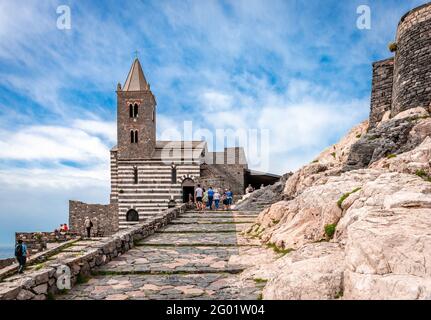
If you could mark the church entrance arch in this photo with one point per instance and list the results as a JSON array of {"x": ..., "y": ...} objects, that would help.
[
  {"x": 188, "y": 187},
  {"x": 132, "y": 215}
]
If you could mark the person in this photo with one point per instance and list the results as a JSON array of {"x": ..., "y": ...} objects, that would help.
[
  {"x": 198, "y": 197},
  {"x": 210, "y": 198},
  {"x": 249, "y": 189},
  {"x": 205, "y": 199},
  {"x": 21, "y": 254},
  {"x": 88, "y": 224},
  {"x": 225, "y": 200},
  {"x": 65, "y": 227},
  {"x": 229, "y": 196},
  {"x": 216, "y": 199}
]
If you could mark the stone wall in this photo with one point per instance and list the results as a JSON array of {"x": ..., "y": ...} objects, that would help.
[
  {"x": 41, "y": 284},
  {"x": 6, "y": 262},
  {"x": 37, "y": 241},
  {"x": 381, "y": 95},
  {"x": 223, "y": 176},
  {"x": 412, "y": 80},
  {"x": 104, "y": 218}
]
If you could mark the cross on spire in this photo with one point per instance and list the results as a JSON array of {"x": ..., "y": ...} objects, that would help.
[{"x": 136, "y": 53}]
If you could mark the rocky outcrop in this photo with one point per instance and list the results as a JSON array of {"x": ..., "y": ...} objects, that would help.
[
  {"x": 391, "y": 136},
  {"x": 380, "y": 244}
]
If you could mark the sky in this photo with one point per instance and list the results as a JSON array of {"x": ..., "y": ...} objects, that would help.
[{"x": 299, "y": 69}]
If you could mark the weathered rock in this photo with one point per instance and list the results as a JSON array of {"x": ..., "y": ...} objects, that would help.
[
  {"x": 41, "y": 289},
  {"x": 313, "y": 272},
  {"x": 25, "y": 295}
]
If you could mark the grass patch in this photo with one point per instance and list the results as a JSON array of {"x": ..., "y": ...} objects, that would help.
[
  {"x": 81, "y": 279},
  {"x": 391, "y": 156},
  {"x": 339, "y": 295},
  {"x": 334, "y": 155},
  {"x": 330, "y": 230},
  {"x": 260, "y": 297},
  {"x": 315, "y": 161},
  {"x": 63, "y": 291},
  {"x": 424, "y": 175},
  {"x": 39, "y": 266},
  {"x": 50, "y": 296},
  {"x": 279, "y": 250},
  {"x": 345, "y": 196},
  {"x": 260, "y": 280}
]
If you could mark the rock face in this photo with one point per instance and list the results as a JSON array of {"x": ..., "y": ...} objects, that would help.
[
  {"x": 394, "y": 136},
  {"x": 381, "y": 247}
]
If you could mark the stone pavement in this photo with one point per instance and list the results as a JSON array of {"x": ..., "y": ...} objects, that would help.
[{"x": 197, "y": 256}]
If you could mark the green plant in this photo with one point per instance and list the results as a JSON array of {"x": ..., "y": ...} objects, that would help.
[
  {"x": 315, "y": 161},
  {"x": 50, "y": 296},
  {"x": 392, "y": 46},
  {"x": 279, "y": 250},
  {"x": 334, "y": 154},
  {"x": 330, "y": 230},
  {"x": 260, "y": 280},
  {"x": 345, "y": 196},
  {"x": 80, "y": 279},
  {"x": 260, "y": 297},
  {"x": 339, "y": 295},
  {"x": 358, "y": 136},
  {"x": 39, "y": 266},
  {"x": 423, "y": 174},
  {"x": 391, "y": 156}
]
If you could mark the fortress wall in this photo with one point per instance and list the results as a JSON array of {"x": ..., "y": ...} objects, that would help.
[
  {"x": 104, "y": 217},
  {"x": 381, "y": 95},
  {"x": 412, "y": 69}
]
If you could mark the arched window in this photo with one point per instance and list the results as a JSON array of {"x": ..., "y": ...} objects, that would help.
[
  {"x": 135, "y": 110},
  {"x": 132, "y": 215},
  {"x": 134, "y": 136},
  {"x": 131, "y": 111},
  {"x": 135, "y": 175},
  {"x": 173, "y": 173}
]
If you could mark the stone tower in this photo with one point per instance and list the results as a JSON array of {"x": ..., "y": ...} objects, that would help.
[{"x": 136, "y": 116}]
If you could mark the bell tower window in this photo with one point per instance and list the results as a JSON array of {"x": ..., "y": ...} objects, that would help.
[
  {"x": 133, "y": 110},
  {"x": 134, "y": 136}
]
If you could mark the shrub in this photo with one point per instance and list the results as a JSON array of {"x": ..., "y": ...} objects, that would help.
[
  {"x": 330, "y": 230},
  {"x": 391, "y": 156},
  {"x": 334, "y": 154},
  {"x": 393, "y": 47},
  {"x": 424, "y": 175},
  {"x": 345, "y": 196}
]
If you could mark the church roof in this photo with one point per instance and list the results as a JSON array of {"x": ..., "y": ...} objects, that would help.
[{"x": 136, "y": 80}]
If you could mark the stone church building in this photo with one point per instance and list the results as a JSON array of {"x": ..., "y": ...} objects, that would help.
[{"x": 146, "y": 174}]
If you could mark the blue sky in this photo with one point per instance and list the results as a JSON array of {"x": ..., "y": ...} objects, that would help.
[{"x": 301, "y": 69}]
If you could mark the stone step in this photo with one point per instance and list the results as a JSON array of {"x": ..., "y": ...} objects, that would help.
[
  {"x": 197, "y": 239},
  {"x": 182, "y": 228}
]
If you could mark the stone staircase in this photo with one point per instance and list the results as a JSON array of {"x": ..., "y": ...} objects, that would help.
[{"x": 199, "y": 255}]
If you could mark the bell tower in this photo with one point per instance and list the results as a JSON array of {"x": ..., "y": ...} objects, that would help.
[{"x": 136, "y": 116}]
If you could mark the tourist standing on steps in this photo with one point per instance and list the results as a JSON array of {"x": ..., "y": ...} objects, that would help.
[
  {"x": 198, "y": 196},
  {"x": 210, "y": 198},
  {"x": 216, "y": 199},
  {"x": 21, "y": 254},
  {"x": 88, "y": 224},
  {"x": 225, "y": 200},
  {"x": 205, "y": 199},
  {"x": 229, "y": 196}
]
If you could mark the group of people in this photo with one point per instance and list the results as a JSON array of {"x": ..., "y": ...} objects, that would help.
[
  {"x": 63, "y": 228},
  {"x": 212, "y": 198}
]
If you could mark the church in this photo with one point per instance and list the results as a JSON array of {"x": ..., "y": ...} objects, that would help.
[{"x": 147, "y": 174}]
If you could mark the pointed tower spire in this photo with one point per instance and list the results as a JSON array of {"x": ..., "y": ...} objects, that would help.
[{"x": 136, "y": 80}]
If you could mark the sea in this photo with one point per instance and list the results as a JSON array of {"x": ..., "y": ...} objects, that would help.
[{"x": 6, "y": 252}]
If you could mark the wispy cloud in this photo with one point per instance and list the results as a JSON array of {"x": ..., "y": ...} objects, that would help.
[{"x": 300, "y": 69}]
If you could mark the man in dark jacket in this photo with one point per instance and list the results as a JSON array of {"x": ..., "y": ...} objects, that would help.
[{"x": 21, "y": 254}]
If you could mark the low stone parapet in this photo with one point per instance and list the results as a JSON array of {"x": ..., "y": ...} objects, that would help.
[
  {"x": 60, "y": 274},
  {"x": 38, "y": 241}
]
